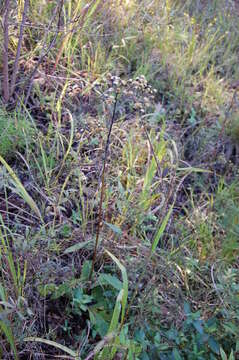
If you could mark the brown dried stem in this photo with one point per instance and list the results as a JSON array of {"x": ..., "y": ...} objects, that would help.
[
  {"x": 100, "y": 215},
  {"x": 5, "y": 52}
]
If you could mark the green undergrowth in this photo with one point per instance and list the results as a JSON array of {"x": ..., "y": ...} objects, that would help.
[
  {"x": 15, "y": 131},
  {"x": 118, "y": 184}
]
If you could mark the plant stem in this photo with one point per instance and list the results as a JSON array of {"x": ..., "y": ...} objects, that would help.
[
  {"x": 100, "y": 215},
  {"x": 5, "y": 52}
]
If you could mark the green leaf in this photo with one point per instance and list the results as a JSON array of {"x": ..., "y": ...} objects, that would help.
[
  {"x": 114, "y": 228},
  {"x": 98, "y": 322},
  {"x": 231, "y": 328},
  {"x": 2, "y": 293},
  {"x": 7, "y": 331},
  {"x": 116, "y": 313},
  {"x": 85, "y": 271},
  {"x": 237, "y": 346},
  {"x": 77, "y": 247},
  {"x": 214, "y": 346},
  {"x": 120, "y": 307},
  {"x": 125, "y": 284},
  {"x": 162, "y": 347},
  {"x": 61, "y": 290},
  {"x": 160, "y": 231},
  {"x": 47, "y": 289},
  {"x": 107, "y": 279},
  {"x": 187, "y": 308},
  {"x": 198, "y": 326},
  {"x": 139, "y": 335},
  {"x": 144, "y": 356},
  {"x": 176, "y": 355},
  {"x": 21, "y": 190},
  {"x": 223, "y": 354}
]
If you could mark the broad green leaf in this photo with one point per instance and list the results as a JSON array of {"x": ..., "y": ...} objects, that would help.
[
  {"x": 85, "y": 271},
  {"x": 107, "y": 279},
  {"x": 98, "y": 322},
  {"x": 198, "y": 326},
  {"x": 214, "y": 346}
]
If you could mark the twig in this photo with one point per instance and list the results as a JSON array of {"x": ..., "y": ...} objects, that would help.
[
  {"x": 5, "y": 52},
  {"x": 19, "y": 46},
  {"x": 102, "y": 189}
]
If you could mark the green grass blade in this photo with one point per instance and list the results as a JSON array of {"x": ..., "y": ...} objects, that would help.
[
  {"x": 125, "y": 284},
  {"x": 7, "y": 331},
  {"x": 120, "y": 306},
  {"x": 91, "y": 12},
  {"x": 161, "y": 229},
  {"x": 116, "y": 313},
  {"x": 21, "y": 190},
  {"x": 77, "y": 247}
]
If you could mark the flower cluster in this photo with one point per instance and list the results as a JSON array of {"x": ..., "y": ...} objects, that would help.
[{"x": 133, "y": 95}]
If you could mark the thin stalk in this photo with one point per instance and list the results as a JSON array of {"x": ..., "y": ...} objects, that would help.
[
  {"x": 100, "y": 215},
  {"x": 5, "y": 52}
]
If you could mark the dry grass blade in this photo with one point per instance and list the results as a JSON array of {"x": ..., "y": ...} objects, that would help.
[{"x": 73, "y": 354}]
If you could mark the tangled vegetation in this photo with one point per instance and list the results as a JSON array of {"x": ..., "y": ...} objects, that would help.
[{"x": 119, "y": 197}]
